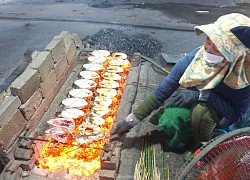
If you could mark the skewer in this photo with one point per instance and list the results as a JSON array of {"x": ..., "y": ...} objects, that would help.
[
  {"x": 168, "y": 169},
  {"x": 78, "y": 145}
]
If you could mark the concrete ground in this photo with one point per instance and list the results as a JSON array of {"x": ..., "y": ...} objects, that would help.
[{"x": 31, "y": 24}]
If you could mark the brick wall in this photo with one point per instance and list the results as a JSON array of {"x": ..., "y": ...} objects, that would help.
[{"x": 25, "y": 101}]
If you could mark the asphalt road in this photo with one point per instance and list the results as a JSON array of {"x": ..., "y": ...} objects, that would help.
[{"x": 31, "y": 24}]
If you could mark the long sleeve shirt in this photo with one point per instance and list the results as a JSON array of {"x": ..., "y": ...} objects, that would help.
[{"x": 227, "y": 102}]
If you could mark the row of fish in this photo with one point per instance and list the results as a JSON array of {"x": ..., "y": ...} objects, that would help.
[{"x": 94, "y": 90}]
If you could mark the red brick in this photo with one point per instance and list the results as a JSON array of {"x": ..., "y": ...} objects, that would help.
[
  {"x": 60, "y": 67},
  {"x": 77, "y": 40},
  {"x": 83, "y": 59},
  {"x": 71, "y": 67},
  {"x": 71, "y": 52},
  {"x": 117, "y": 152},
  {"x": 87, "y": 50},
  {"x": 24, "y": 143},
  {"x": 38, "y": 148},
  {"x": 12, "y": 166},
  {"x": 40, "y": 171},
  {"x": 57, "y": 48},
  {"x": 43, "y": 62},
  {"x": 66, "y": 37},
  {"x": 25, "y": 85},
  {"x": 110, "y": 165},
  {"x": 35, "y": 119},
  {"x": 114, "y": 137},
  {"x": 7, "y": 108},
  {"x": 4, "y": 159},
  {"x": 29, "y": 108},
  {"x": 23, "y": 154},
  {"x": 27, "y": 143},
  {"x": 48, "y": 84},
  {"x": 7, "y": 156},
  {"x": 11, "y": 130},
  {"x": 62, "y": 80},
  {"x": 28, "y": 165},
  {"x": 7, "y": 175},
  {"x": 107, "y": 174},
  {"x": 58, "y": 174},
  {"x": 112, "y": 161}
]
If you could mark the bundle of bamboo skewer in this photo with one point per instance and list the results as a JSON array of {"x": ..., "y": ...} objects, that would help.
[{"x": 145, "y": 168}]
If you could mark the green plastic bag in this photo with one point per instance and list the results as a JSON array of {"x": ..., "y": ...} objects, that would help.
[{"x": 175, "y": 123}]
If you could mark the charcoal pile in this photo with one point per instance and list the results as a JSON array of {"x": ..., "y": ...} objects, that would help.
[{"x": 116, "y": 41}]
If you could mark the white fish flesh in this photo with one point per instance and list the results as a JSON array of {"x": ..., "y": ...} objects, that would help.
[
  {"x": 119, "y": 55},
  {"x": 118, "y": 62},
  {"x": 114, "y": 69},
  {"x": 111, "y": 76},
  {"x": 100, "y": 53},
  {"x": 96, "y": 59},
  {"x": 72, "y": 113},
  {"x": 85, "y": 83},
  {"x": 82, "y": 139},
  {"x": 89, "y": 75},
  {"x": 93, "y": 67},
  {"x": 109, "y": 84},
  {"x": 74, "y": 103},
  {"x": 80, "y": 93},
  {"x": 106, "y": 92}
]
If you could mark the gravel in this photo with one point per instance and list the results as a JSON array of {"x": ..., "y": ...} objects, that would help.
[{"x": 116, "y": 41}]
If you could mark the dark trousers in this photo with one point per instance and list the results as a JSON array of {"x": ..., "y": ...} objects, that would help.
[{"x": 204, "y": 121}]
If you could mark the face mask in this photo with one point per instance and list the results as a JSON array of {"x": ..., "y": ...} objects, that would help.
[{"x": 211, "y": 58}]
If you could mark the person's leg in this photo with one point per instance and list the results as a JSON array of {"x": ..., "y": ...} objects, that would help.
[{"x": 204, "y": 121}]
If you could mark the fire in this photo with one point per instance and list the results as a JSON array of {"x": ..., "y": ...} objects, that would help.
[{"x": 83, "y": 159}]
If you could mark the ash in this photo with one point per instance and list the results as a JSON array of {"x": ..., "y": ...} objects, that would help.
[{"x": 116, "y": 41}]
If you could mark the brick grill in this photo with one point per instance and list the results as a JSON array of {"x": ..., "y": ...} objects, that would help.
[
  {"x": 21, "y": 156},
  {"x": 25, "y": 101}
]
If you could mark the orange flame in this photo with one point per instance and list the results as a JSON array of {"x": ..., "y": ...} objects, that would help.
[{"x": 79, "y": 160}]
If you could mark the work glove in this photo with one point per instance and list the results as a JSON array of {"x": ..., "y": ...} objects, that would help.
[
  {"x": 124, "y": 126},
  {"x": 185, "y": 97}
]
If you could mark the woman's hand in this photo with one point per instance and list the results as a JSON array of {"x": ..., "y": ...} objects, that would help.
[
  {"x": 185, "y": 97},
  {"x": 124, "y": 126}
]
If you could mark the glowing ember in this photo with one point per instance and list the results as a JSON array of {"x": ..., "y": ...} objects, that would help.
[{"x": 84, "y": 159}]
